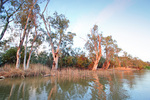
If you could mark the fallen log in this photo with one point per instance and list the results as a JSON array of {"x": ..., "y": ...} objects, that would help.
[
  {"x": 49, "y": 75},
  {"x": 2, "y": 77}
]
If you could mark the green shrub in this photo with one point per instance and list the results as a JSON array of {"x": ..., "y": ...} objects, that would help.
[
  {"x": 9, "y": 56},
  {"x": 147, "y": 67}
]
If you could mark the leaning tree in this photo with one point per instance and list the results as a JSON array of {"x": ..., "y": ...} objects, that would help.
[{"x": 93, "y": 45}]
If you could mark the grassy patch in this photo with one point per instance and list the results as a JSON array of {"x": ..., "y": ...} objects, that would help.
[{"x": 147, "y": 67}]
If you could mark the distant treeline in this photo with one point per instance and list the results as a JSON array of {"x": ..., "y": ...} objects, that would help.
[{"x": 75, "y": 58}]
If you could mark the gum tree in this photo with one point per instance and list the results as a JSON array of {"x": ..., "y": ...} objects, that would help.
[
  {"x": 7, "y": 13},
  {"x": 108, "y": 44},
  {"x": 56, "y": 31},
  {"x": 24, "y": 20},
  {"x": 93, "y": 45}
]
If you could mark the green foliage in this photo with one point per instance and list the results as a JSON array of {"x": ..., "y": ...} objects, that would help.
[
  {"x": 41, "y": 58},
  {"x": 59, "y": 24},
  {"x": 128, "y": 61},
  {"x": 82, "y": 61},
  {"x": 22, "y": 15},
  {"x": 108, "y": 44},
  {"x": 67, "y": 61},
  {"x": 93, "y": 40},
  {"x": 6, "y": 11},
  {"x": 101, "y": 62},
  {"x": 147, "y": 67},
  {"x": 10, "y": 56}
]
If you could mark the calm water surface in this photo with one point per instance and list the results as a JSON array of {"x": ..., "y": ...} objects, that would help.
[{"x": 114, "y": 86}]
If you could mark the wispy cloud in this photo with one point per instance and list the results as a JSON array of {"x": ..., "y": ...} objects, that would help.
[
  {"x": 110, "y": 10},
  {"x": 85, "y": 22}
]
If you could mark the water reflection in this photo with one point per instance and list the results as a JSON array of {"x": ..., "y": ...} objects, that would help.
[
  {"x": 114, "y": 86},
  {"x": 116, "y": 89}
]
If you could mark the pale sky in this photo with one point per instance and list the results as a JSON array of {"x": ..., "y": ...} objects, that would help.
[{"x": 128, "y": 21}]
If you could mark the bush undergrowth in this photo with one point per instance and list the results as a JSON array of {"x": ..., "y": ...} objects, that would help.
[{"x": 147, "y": 67}]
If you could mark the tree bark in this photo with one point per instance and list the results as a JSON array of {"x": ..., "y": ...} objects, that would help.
[
  {"x": 28, "y": 62},
  {"x": 25, "y": 52},
  {"x": 98, "y": 53},
  {"x": 31, "y": 51},
  {"x": 55, "y": 61},
  {"x": 8, "y": 17},
  {"x": 55, "y": 54},
  {"x": 22, "y": 40},
  {"x": 4, "y": 30},
  {"x": 96, "y": 63},
  {"x": 106, "y": 64},
  {"x": 19, "y": 50},
  {"x": 18, "y": 58}
]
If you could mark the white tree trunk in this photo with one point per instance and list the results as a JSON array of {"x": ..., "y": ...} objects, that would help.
[
  {"x": 28, "y": 62},
  {"x": 22, "y": 40},
  {"x": 25, "y": 53},
  {"x": 55, "y": 61},
  {"x": 18, "y": 58}
]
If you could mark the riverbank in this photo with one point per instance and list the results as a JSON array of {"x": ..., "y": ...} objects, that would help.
[
  {"x": 124, "y": 69},
  {"x": 9, "y": 71},
  {"x": 36, "y": 70}
]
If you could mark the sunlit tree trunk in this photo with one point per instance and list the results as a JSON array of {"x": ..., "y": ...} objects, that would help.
[
  {"x": 98, "y": 53},
  {"x": 106, "y": 64},
  {"x": 119, "y": 63},
  {"x": 96, "y": 63}
]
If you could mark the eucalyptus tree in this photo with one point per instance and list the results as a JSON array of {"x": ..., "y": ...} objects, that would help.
[
  {"x": 93, "y": 45},
  {"x": 116, "y": 60},
  {"x": 108, "y": 44},
  {"x": 24, "y": 18},
  {"x": 36, "y": 40},
  {"x": 56, "y": 27},
  {"x": 66, "y": 49},
  {"x": 8, "y": 9},
  {"x": 127, "y": 60}
]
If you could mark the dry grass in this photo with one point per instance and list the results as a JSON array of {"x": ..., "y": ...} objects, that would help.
[
  {"x": 124, "y": 69},
  {"x": 34, "y": 70},
  {"x": 65, "y": 73}
]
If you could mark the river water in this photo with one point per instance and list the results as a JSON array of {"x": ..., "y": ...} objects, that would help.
[{"x": 116, "y": 86}]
